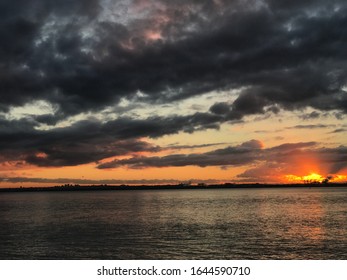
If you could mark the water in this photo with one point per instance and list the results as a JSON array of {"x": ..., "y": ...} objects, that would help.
[{"x": 288, "y": 223}]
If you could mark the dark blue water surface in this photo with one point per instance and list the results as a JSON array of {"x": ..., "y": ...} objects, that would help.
[{"x": 281, "y": 223}]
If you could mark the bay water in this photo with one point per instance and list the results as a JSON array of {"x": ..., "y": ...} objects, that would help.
[{"x": 255, "y": 223}]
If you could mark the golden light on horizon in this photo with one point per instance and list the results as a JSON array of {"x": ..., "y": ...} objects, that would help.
[
  {"x": 316, "y": 178},
  {"x": 339, "y": 178},
  {"x": 313, "y": 177}
]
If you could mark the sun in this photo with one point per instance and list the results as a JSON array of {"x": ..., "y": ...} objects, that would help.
[{"x": 312, "y": 178}]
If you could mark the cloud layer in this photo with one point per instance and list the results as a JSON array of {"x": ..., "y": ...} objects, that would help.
[
  {"x": 287, "y": 159},
  {"x": 83, "y": 57},
  {"x": 72, "y": 56}
]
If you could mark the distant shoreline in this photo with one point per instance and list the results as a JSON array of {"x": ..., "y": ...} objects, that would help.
[{"x": 67, "y": 188}]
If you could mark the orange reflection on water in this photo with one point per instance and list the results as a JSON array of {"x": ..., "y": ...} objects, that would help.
[
  {"x": 299, "y": 217},
  {"x": 309, "y": 216}
]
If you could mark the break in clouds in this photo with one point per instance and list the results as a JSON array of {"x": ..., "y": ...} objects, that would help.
[{"x": 80, "y": 58}]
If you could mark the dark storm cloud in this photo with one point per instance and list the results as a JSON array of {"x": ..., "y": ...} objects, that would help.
[
  {"x": 239, "y": 155},
  {"x": 84, "y": 142},
  {"x": 335, "y": 157},
  {"x": 90, "y": 141},
  {"x": 286, "y": 54},
  {"x": 221, "y": 108},
  {"x": 280, "y": 55},
  {"x": 312, "y": 115}
]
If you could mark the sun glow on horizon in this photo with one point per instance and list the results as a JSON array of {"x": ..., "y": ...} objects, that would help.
[
  {"x": 316, "y": 178},
  {"x": 313, "y": 177}
]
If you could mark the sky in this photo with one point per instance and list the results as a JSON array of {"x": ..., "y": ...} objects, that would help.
[{"x": 168, "y": 91}]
